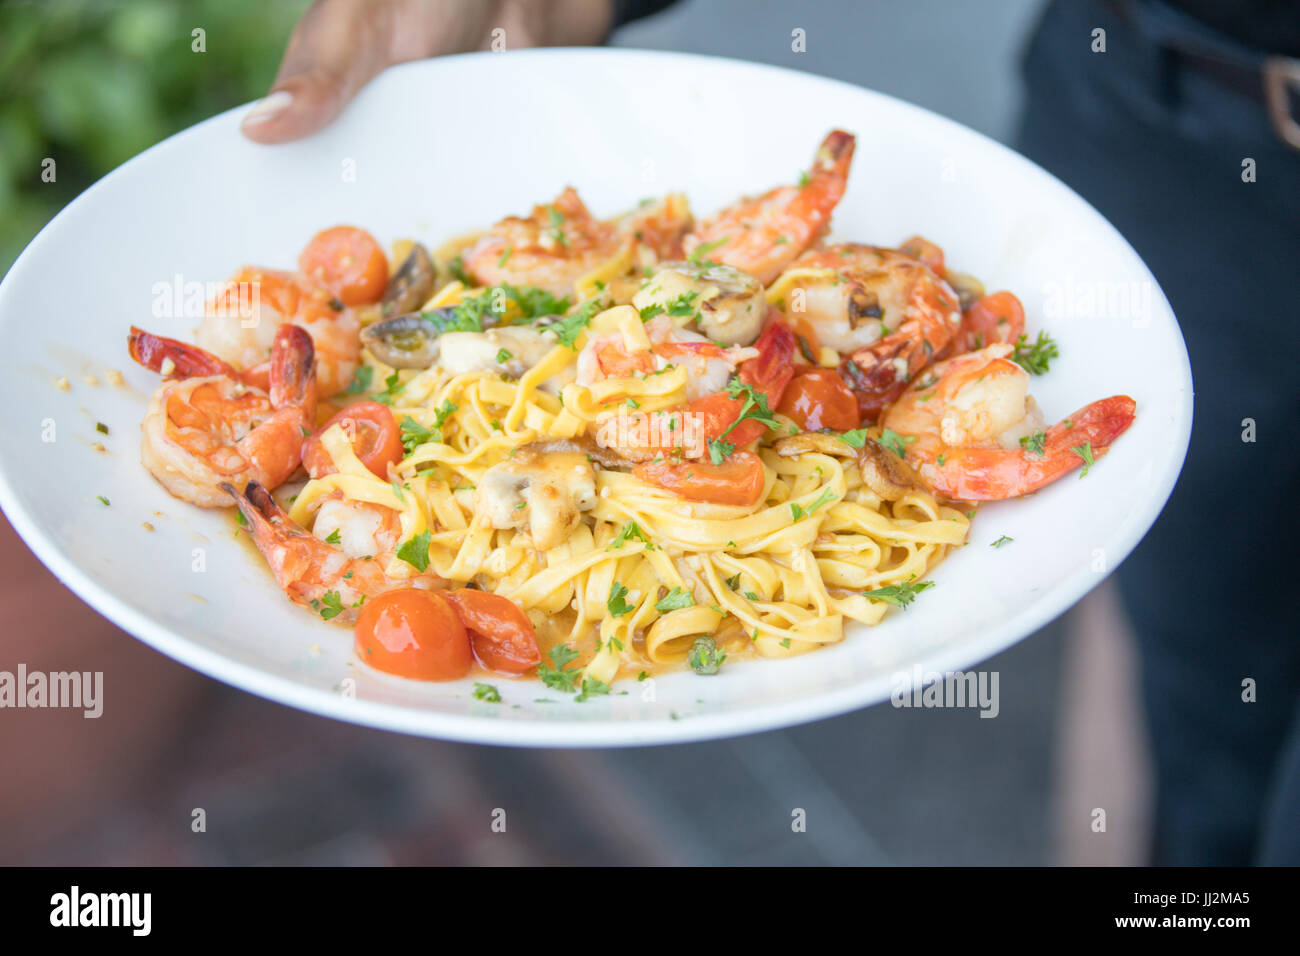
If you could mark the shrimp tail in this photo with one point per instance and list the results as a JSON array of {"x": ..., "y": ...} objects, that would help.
[
  {"x": 293, "y": 369},
  {"x": 290, "y": 551},
  {"x": 994, "y": 474},
  {"x": 187, "y": 361}
]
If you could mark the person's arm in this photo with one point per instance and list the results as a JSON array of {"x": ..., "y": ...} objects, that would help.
[{"x": 341, "y": 45}]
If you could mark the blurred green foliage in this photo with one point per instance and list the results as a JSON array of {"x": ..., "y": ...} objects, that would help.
[{"x": 90, "y": 83}]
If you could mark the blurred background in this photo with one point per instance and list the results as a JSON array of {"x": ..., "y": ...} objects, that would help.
[{"x": 91, "y": 83}]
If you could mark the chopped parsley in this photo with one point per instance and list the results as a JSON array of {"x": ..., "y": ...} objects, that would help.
[
  {"x": 675, "y": 600},
  {"x": 570, "y": 327},
  {"x": 680, "y": 306},
  {"x": 1002, "y": 542},
  {"x": 705, "y": 657},
  {"x": 591, "y": 687},
  {"x": 704, "y": 248},
  {"x": 1084, "y": 451},
  {"x": 804, "y": 178},
  {"x": 1037, "y": 357},
  {"x": 1033, "y": 444},
  {"x": 503, "y": 356},
  {"x": 627, "y": 533},
  {"x": 104, "y": 501},
  {"x": 101, "y": 428},
  {"x": 360, "y": 381},
  {"x": 415, "y": 551},
  {"x": 487, "y": 692},
  {"x": 333, "y": 537},
  {"x": 617, "y": 606},
  {"x": 457, "y": 269},
  {"x": 895, "y": 442},
  {"x": 415, "y": 434},
  {"x": 854, "y": 439},
  {"x": 554, "y": 675},
  {"x": 557, "y": 225},
  {"x": 899, "y": 595},
  {"x": 329, "y": 606}
]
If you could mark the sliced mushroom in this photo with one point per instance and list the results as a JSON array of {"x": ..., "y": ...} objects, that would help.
[
  {"x": 584, "y": 444},
  {"x": 823, "y": 443},
  {"x": 728, "y": 304},
  {"x": 885, "y": 473},
  {"x": 412, "y": 284},
  {"x": 539, "y": 492},
  {"x": 407, "y": 341}
]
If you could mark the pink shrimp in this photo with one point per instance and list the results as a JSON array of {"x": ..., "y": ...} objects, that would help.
[
  {"x": 206, "y": 426},
  {"x": 310, "y": 571},
  {"x": 764, "y": 234},
  {"x": 974, "y": 434}
]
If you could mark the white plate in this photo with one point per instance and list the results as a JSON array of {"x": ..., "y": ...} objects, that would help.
[{"x": 438, "y": 148}]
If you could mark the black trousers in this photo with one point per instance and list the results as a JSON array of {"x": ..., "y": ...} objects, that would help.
[{"x": 1161, "y": 151}]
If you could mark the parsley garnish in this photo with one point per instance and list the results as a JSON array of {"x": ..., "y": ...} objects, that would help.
[
  {"x": 333, "y": 537},
  {"x": 570, "y": 327},
  {"x": 554, "y": 675},
  {"x": 704, "y": 248},
  {"x": 1084, "y": 451},
  {"x": 487, "y": 692},
  {"x": 503, "y": 356},
  {"x": 1033, "y": 444},
  {"x": 415, "y": 434},
  {"x": 1002, "y": 542},
  {"x": 617, "y": 606},
  {"x": 591, "y": 687},
  {"x": 895, "y": 442},
  {"x": 627, "y": 533},
  {"x": 360, "y": 381},
  {"x": 675, "y": 600},
  {"x": 899, "y": 595},
  {"x": 705, "y": 657},
  {"x": 415, "y": 551},
  {"x": 329, "y": 606},
  {"x": 854, "y": 439},
  {"x": 1035, "y": 358}
]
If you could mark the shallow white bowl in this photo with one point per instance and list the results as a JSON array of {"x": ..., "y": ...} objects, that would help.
[{"x": 418, "y": 155}]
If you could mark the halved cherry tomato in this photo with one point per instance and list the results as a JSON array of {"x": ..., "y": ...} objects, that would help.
[
  {"x": 376, "y": 438},
  {"x": 738, "y": 480},
  {"x": 930, "y": 255},
  {"x": 501, "y": 634},
  {"x": 771, "y": 370},
  {"x": 818, "y": 398},
  {"x": 347, "y": 261},
  {"x": 992, "y": 319},
  {"x": 413, "y": 633}
]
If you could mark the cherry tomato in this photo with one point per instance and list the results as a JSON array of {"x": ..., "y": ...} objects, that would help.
[
  {"x": 738, "y": 480},
  {"x": 930, "y": 255},
  {"x": 501, "y": 634},
  {"x": 818, "y": 398},
  {"x": 992, "y": 319},
  {"x": 376, "y": 439},
  {"x": 770, "y": 372},
  {"x": 413, "y": 633},
  {"x": 348, "y": 262}
]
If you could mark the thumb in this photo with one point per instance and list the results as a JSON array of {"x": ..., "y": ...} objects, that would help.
[{"x": 337, "y": 47}]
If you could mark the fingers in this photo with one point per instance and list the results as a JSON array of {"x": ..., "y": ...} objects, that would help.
[{"x": 337, "y": 47}]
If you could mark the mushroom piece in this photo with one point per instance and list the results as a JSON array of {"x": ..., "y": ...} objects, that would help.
[
  {"x": 537, "y": 492},
  {"x": 823, "y": 443},
  {"x": 412, "y": 284},
  {"x": 407, "y": 341},
  {"x": 728, "y": 305},
  {"x": 885, "y": 473}
]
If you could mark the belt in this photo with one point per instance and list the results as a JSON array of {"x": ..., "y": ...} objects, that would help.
[{"x": 1264, "y": 78}]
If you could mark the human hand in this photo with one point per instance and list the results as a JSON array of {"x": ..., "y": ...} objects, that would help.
[{"x": 341, "y": 45}]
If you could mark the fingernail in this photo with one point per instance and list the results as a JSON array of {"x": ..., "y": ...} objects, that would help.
[{"x": 270, "y": 106}]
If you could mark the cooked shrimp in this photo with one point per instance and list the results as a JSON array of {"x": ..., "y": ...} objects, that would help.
[
  {"x": 764, "y": 234},
  {"x": 240, "y": 323},
  {"x": 709, "y": 366},
  {"x": 203, "y": 431},
  {"x": 879, "y": 303},
  {"x": 974, "y": 434},
  {"x": 551, "y": 249},
  {"x": 311, "y": 571},
  {"x": 657, "y": 227}
]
